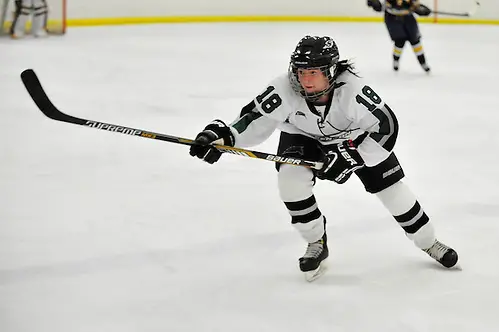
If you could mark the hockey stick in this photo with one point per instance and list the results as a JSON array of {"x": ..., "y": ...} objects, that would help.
[
  {"x": 468, "y": 14},
  {"x": 37, "y": 93}
]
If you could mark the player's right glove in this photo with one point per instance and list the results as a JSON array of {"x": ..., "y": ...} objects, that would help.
[
  {"x": 217, "y": 132},
  {"x": 422, "y": 10},
  {"x": 375, "y": 4},
  {"x": 340, "y": 161}
]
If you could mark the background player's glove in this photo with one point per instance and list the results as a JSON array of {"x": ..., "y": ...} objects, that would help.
[
  {"x": 422, "y": 10},
  {"x": 340, "y": 161},
  {"x": 216, "y": 132},
  {"x": 375, "y": 4}
]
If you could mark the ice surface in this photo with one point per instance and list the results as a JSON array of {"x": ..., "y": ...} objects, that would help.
[{"x": 104, "y": 232}]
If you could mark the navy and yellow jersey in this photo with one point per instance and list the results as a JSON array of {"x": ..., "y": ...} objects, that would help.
[{"x": 401, "y": 7}]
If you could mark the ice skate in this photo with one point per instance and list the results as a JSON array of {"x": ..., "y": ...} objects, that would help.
[
  {"x": 425, "y": 67},
  {"x": 312, "y": 263},
  {"x": 396, "y": 65},
  {"x": 42, "y": 33},
  {"x": 442, "y": 254},
  {"x": 18, "y": 35}
]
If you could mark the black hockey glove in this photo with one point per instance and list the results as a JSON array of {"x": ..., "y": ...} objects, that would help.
[
  {"x": 340, "y": 161},
  {"x": 375, "y": 4},
  {"x": 216, "y": 132},
  {"x": 422, "y": 10}
]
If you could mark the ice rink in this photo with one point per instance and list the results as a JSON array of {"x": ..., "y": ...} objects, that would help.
[{"x": 102, "y": 232}]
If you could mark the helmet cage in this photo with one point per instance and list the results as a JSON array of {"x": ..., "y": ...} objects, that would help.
[{"x": 327, "y": 70}]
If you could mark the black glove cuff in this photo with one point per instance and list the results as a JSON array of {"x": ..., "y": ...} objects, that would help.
[{"x": 219, "y": 129}]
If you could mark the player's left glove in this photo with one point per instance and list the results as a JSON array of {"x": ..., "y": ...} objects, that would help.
[
  {"x": 340, "y": 161},
  {"x": 422, "y": 10}
]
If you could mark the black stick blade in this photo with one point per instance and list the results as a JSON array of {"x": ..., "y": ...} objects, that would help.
[{"x": 42, "y": 101}]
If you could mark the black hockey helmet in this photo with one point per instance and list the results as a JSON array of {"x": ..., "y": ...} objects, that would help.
[{"x": 314, "y": 52}]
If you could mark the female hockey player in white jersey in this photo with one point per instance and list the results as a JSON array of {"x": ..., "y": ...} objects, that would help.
[{"x": 326, "y": 113}]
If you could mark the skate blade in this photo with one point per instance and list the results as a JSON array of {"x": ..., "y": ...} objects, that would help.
[{"x": 317, "y": 273}]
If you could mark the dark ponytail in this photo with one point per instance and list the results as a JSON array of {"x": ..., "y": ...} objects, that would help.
[{"x": 343, "y": 66}]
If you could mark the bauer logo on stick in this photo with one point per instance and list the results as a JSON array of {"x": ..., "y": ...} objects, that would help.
[{"x": 284, "y": 160}]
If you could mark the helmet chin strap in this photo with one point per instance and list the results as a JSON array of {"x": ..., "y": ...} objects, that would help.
[{"x": 313, "y": 97}]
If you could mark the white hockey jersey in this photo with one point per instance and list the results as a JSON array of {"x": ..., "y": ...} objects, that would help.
[{"x": 354, "y": 109}]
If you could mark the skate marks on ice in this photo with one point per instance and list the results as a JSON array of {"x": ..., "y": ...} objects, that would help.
[
  {"x": 336, "y": 277},
  {"x": 221, "y": 257},
  {"x": 254, "y": 277},
  {"x": 434, "y": 265},
  {"x": 317, "y": 273}
]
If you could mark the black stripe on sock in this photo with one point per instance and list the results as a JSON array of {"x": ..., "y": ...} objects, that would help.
[
  {"x": 417, "y": 225},
  {"x": 301, "y": 205},
  {"x": 413, "y": 212},
  {"x": 315, "y": 214}
]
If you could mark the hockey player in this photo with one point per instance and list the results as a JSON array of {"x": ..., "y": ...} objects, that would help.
[
  {"x": 24, "y": 8},
  {"x": 402, "y": 26},
  {"x": 325, "y": 112}
]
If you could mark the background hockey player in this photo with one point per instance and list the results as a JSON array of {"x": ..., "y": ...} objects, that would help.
[
  {"x": 326, "y": 113},
  {"x": 402, "y": 26},
  {"x": 37, "y": 9}
]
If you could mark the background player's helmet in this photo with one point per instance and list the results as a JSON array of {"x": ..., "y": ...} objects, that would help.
[{"x": 314, "y": 52}]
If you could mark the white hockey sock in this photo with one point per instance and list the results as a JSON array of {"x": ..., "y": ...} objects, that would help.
[
  {"x": 295, "y": 188},
  {"x": 409, "y": 214}
]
